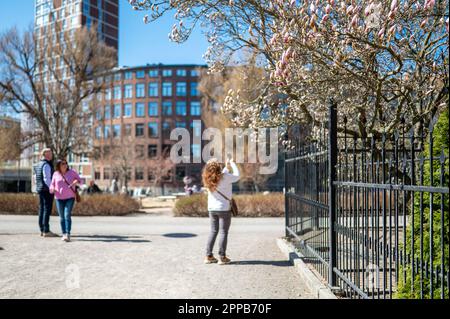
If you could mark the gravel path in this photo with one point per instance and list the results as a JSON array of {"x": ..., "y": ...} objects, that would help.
[{"x": 143, "y": 256}]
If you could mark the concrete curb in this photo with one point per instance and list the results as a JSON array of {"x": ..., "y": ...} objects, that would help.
[{"x": 319, "y": 290}]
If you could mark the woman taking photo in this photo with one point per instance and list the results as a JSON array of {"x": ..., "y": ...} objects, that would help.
[
  {"x": 219, "y": 183},
  {"x": 63, "y": 186}
]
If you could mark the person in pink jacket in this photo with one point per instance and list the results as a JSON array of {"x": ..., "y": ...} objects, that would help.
[{"x": 63, "y": 186}]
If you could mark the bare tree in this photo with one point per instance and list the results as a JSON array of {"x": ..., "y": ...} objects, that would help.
[
  {"x": 51, "y": 81},
  {"x": 10, "y": 137}
]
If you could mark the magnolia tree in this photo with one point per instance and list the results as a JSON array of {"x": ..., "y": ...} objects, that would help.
[{"x": 382, "y": 61}]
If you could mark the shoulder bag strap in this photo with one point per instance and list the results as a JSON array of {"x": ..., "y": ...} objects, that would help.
[
  {"x": 223, "y": 195},
  {"x": 65, "y": 180}
]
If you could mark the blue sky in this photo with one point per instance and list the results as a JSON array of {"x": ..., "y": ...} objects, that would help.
[{"x": 138, "y": 43}]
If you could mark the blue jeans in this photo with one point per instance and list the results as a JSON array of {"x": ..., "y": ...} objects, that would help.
[
  {"x": 65, "y": 213},
  {"x": 45, "y": 210}
]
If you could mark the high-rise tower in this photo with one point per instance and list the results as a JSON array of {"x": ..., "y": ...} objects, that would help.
[
  {"x": 63, "y": 18},
  {"x": 70, "y": 15}
]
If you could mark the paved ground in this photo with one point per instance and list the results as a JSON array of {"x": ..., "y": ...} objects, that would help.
[{"x": 145, "y": 256}]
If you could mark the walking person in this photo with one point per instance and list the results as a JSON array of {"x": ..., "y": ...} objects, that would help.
[
  {"x": 64, "y": 185},
  {"x": 219, "y": 183},
  {"x": 43, "y": 173}
]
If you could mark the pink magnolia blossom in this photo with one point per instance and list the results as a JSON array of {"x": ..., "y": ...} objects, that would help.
[{"x": 394, "y": 5}]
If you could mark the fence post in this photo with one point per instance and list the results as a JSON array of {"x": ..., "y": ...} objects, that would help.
[
  {"x": 332, "y": 161},
  {"x": 286, "y": 206}
]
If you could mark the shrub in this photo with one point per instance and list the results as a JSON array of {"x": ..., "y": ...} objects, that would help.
[
  {"x": 406, "y": 283},
  {"x": 19, "y": 204},
  {"x": 97, "y": 205},
  {"x": 257, "y": 205}
]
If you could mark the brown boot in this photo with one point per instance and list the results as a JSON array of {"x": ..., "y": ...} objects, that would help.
[
  {"x": 224, "y": 260},
  {"x": 210, "y": 260}
]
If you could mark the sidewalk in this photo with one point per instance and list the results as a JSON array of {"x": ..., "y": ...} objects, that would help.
[{"x": 143, "y": 257}]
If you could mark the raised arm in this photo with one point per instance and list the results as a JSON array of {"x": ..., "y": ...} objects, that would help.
[{"x": 234, "y": 176}]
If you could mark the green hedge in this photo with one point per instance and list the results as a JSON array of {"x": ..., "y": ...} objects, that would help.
[
  {"x": 257, "y": 205},
  {"x": 410, "y": 287},
  {"x": 96, "y": 205}
]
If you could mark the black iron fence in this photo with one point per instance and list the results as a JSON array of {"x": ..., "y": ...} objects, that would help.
[{"x": 371, "y": 215}]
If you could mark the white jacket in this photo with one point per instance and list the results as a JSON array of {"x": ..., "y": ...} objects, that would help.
[{"x": 216, "y": 202}]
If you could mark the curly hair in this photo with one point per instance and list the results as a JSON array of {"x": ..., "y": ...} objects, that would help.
[{"x": 212, "y": 174}]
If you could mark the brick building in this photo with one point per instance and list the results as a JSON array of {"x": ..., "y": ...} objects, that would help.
[{"x": 136, "y": 115}]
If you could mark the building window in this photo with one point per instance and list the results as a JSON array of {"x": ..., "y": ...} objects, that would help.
[
  {"x": 167, "y": 108},
  {"x": 180, "y": 124},
  {"x": 167, "y": 89},
  {"x": 107, "y": 112},
  {"x": 167, "y": 73},
  {"x": 116, "y": 130},
  {"x": 140, "y": 90},
  {"x": 98, "y": 133},
  {"x": 153, "y": 109},
  {"x": 151, "y": 177},
  {"x": 196, "y": 150},
  {"x": 107, "y": 131},
  {"x": 140, "y": 109},
  {"x": 117, "y": 111},
  {"x": 108, "y": 94},
  {"x": 139, "y": 151},
  {"x": 117, "y": 93},
  {"x": 97, "y": 174},
  {"x": 196, "y": 109},
  {"x": 139, "y": 174},
  {"x": 128, "y": 91},
  {"x": 140, "y": 74},
  {"x": 166, "y": 129},
  {"x": 139, "y": 130},
  {"x": 117, "y": 76},
  {"x": 153, "y": 89},
  {"x": 181, "y": 72},
  {"x": 153, "y": 73},
  {"x": 152, "y": 129},
  {"x": 167, "y": 177},
  {"x": 181, "y": 108},
  {"x": 181, "y": 88},
  {"x": 128, "y": 75},
  {"x": 152, "y": 151},
  {"x": 194, "y": 89},
  {"x": 127, "y": 130},
  {"x": 196, "y": 129},
  {"x": 180, "y": 172},
  {"x": 194, "y": 73},
  {"x": 98, "y": 115},
  {"x": 106, "y": 173},
  {"x": 127, "y": 110}
]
